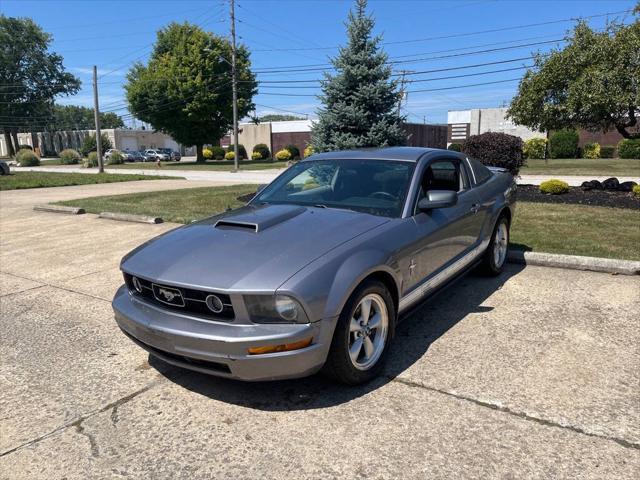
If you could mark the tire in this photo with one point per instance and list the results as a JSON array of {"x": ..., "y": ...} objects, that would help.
[
  {"x": 495, "y": 257},
  {"x": 368, "y": 361}
]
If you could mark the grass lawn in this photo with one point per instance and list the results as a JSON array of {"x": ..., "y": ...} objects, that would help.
[
  {"x": 22, "y": 180},
  {"x": 215, "y": 165},
  {"x": 180, "y": 206},
  {"x": 577, "y": 230},
  {"x": 583, "y": 166},
  {"x": 542, "y": 227}
]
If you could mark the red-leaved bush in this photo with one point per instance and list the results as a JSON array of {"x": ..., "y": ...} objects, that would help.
[{"x": 496, "y": 150}]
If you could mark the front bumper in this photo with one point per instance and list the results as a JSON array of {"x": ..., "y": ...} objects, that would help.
[{"x": 220, "y": 348}]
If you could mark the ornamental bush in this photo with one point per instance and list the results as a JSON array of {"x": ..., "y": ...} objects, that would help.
[
  {"x": 256, "y": 156},
  {"x": 24, "y": 145},
  {"x": 263, "y": 150},
  {"x": 207, "y": 153},
  {"x": 218, "y": 152},
  {"x": 115, "y": 158},
  {"x": 554, "y": 187},
  {"x": 89, "y": 144},
  {"x": 242, "y": 152},
  {"x": 293, "y": 150},
  {"x": 91, "y": 160},
  {"x": 534, "y": 148},
  {"x": 283, "y": 155},
  {"x": 564, "y": 144},
  {"x": 26, "y": 158},
  {"x": 629, "y": 148},
  {"x": 455, "y": 147},
  {"x": 230, "y": 155},
  {"x": 308, "y": 151},
  {"x": 636, "y": 190},
  {"x": 591, "y": 150},
  {"x": 496, "y": 150},
  {"x": 607, "y": 151},
  {"x": 69, "y": 157}
]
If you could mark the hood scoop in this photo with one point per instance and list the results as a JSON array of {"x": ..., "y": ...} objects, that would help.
[{"x": 259, "y": 218}]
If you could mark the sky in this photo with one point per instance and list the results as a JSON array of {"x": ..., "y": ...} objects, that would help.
[{"x": 477, "y": 41}]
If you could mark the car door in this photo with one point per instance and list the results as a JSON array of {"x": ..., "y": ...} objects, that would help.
[{"x": 445, "y": 234}]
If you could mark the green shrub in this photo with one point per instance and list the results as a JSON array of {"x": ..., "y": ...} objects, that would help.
[
  {"x": 591, "y": 150},
  {"x": 534, "y": 148},
  {"x": 91, "y": 160},
  {"x": 230, "y": 155},
  {"x": 263, "y": 150},
  {"x": 308, "y": 151},
  {"x": 607, "y": 151},
  {"x": 636, "y": 190},
  {"x": 293, "y": 150},
  {"x": 26, "y": 158},
  {"x": 115, "y": 158},
  {"x": 283, "y": 155},
  {"x": 564, "y": 144},
  {"x": 256, "y": 156},
  {"x": 207, "y": 153},
  {"x": 218, "y": 152},
  {"x": 25, "y": 146},
  {"x": 629, "y": 148},
  {"x": 455, "y": 147},
  {"x": 496, "y": 150},
  {"x": 242, "y": 152},
  {"x": 89, "y": 144},
  {"x": 554, "y": 187},
  {"x": 69, "y": 157}
]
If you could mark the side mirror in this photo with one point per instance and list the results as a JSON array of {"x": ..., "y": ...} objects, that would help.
[{"x": 438, "y": 199}]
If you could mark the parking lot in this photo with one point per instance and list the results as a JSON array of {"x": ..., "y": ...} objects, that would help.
[{"x": 535, "y": 374}]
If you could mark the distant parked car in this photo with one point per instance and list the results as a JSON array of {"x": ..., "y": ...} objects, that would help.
[
  {"x": 153, "y": 155},
  {"x": 4, "y": 168},
  {"x": 134, "y": 156},
  {"x": 173, "y": 155},
  {"x": 108, "y": 153}
]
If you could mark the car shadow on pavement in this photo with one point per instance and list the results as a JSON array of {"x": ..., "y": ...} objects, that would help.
[{"x": 414, "y": 335}]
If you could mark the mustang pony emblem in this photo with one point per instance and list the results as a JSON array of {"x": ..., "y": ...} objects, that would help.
[{"x": 168, "y": 295}]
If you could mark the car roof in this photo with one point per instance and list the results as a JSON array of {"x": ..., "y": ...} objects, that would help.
[{"x": 407, "y": 154}]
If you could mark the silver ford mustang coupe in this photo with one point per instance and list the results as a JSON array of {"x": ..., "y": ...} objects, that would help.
[{"x": 316, "y": 270}]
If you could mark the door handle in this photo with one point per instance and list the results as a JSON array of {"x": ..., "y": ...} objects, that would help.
[{"x": 475, "y": 207}]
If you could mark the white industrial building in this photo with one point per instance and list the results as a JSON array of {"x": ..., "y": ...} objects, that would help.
[{"x": 461, "y": 124}]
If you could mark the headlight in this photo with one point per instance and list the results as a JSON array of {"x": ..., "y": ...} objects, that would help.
[{"x": 274, "y": 309}]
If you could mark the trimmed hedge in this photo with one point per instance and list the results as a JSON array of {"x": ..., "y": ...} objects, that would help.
[
  {"x": 230, "y": 155},
  {"x": 218, "y": 152},
  {"x": 554, "y": 187},
  {"x": 26, "y": 158},
  {"x": 242, "y": 152},
  {"x": 69, "y": 157},
  {"x": 629, "y": 148},
  {"x": 283, "y": 155},
  {"x": 455, "y": 147},
  {"x": 534, "y": 148},
  {"x": 591, "y": 150},
  {"x": 308, "y": 151},
  {"x": 91, "y": 160},
  {"x": 636, "y": 190},
  {"x": 607, "y": 151},
  {"x": 564, "y": 144},
  {"x": 262, "y": 150},
  {"x": 496, "y": 150},
  {"x": 256, "y": 156},
  {"x": 293, "y": 150},
  {"x": 207, "y": 153}
]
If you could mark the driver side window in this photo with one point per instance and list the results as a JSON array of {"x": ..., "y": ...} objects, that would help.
[{"x": 445, "y": 174}]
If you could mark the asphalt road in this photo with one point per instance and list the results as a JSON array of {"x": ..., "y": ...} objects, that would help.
[{"x": 535, "y": 374}]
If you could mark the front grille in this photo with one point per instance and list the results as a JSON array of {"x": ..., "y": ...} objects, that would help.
[{"x": 194, "y": 300}]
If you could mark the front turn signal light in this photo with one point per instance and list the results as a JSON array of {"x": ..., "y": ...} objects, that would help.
[{"x": 285, "y": 347}]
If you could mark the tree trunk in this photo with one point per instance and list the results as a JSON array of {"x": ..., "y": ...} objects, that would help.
[
  {"x": 7, "y": 140},
  {"x": 199, "y": 154}
]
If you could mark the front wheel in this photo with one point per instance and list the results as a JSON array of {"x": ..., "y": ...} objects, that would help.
[
  {"x": 362, "y": 335},
  {"x": 496, "y": 254}
]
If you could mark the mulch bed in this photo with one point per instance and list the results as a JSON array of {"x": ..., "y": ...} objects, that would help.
[{"x": 575, "y": 195}]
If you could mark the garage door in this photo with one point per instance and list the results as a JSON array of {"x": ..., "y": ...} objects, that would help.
[{"x": 129, "y": 143}]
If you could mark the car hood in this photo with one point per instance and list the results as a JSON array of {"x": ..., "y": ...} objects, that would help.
[{"x": 255, "y": 248}]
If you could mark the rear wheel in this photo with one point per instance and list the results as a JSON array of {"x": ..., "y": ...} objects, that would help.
[
  {"x": 495, "y": 256},
  {"x": 361, "y": 339}
]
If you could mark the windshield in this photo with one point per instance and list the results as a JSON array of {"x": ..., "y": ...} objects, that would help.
[{"x": 378, "y": 187}]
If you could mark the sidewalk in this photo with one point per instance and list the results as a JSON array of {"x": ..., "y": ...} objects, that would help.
[{"x": 266, "y": 176}]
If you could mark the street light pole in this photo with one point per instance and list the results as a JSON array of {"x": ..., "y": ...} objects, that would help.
[
  {"x": 234, "y": 87},
  {"x": 96, "y": 111}
]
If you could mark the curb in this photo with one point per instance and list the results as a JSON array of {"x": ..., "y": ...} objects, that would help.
[
  {"x": 575, "y": 262},
  {"x": 59, "y": 209},
  {"x": 124, "y": 217}
]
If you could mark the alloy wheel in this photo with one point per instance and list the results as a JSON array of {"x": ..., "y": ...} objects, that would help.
[{"x": 368, "y": 330}]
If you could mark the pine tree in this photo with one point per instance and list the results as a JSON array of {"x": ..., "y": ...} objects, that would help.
[{"x": 360, "y": 100}]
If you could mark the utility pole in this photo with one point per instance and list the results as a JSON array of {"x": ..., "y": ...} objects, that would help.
[
  {"x": 234, "y": 87},
  {"x": 403, "y": 93},
  {"x": 96, "y": 111}
]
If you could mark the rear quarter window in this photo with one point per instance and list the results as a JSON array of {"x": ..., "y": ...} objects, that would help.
[{"x": 481, "y": 172}]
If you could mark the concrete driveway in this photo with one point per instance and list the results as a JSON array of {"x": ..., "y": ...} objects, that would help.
[{"x": 535, "y": 374}]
